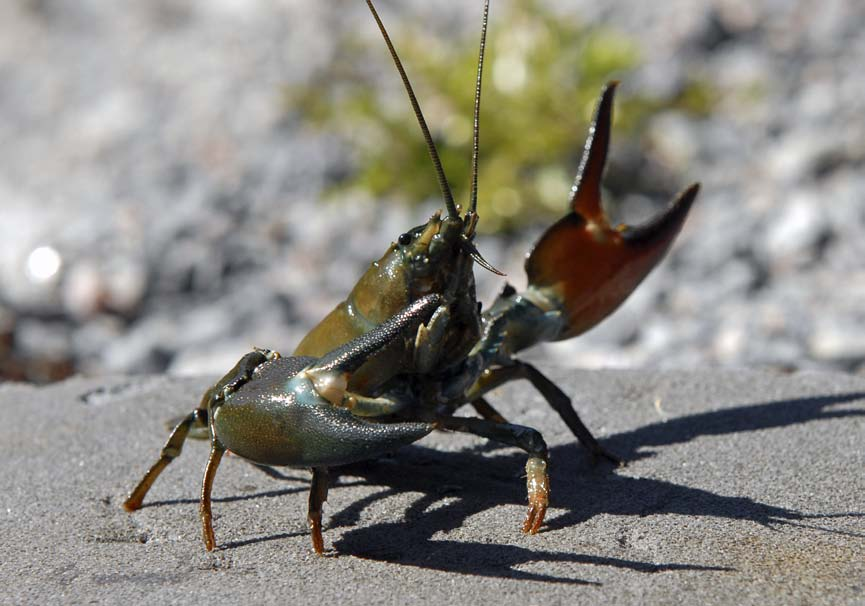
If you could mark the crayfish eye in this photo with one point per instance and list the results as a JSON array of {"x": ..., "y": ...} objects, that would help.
[{"x": 404, "y": 239}]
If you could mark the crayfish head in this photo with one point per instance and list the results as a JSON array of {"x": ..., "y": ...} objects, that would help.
[{"x": 428, "y": 253}]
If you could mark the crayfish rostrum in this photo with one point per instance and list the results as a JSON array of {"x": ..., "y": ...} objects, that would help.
[{"x": 410, "y": 344}]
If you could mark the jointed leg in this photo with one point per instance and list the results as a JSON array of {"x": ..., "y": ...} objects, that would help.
[
  {"x": 486, "y": 411},
  {"x": 317, "y": 497},
  {"x": 170, "y": 451},
  {"x": 554, "y": 396},
  {"x": 562, "y": 404},
  {"x": 526, "y": 438},
  {"x": 197, "y": 420},
  {"x": 216, "y": 452},
  {"x": 538, "y": 488}
]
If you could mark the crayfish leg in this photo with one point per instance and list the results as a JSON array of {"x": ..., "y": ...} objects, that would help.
[
  {"x": 317, "y": 497},
  {"x": 562, "y": 404},
  {"x": 554, "y": 396},
  {"x": 486, "y": 410},
  {"x": 525, "y": 438},
  {"x": 171, "y": 450},
  {"x": 538, "y": 488},
  {"x": 216, "y": 452}
]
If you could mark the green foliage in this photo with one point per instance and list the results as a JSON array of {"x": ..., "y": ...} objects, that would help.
[{"x": 542, "y": 78}]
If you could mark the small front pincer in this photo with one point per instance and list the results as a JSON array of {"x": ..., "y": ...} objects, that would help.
[{"x": 295, "y": 411}]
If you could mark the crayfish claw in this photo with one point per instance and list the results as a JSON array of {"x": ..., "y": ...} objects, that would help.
[
  {"x": 665, "y": 225},
  {"x": 586, "y": 191},
  {"x": 584, "y": 267}
]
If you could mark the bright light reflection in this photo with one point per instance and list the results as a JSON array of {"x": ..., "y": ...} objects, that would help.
[{"x": 43, "y": 263}]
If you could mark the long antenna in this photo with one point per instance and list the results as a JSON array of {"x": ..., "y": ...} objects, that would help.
[
  {"x": 431, "y": 148},
  {"x": 473, "y": 198}
]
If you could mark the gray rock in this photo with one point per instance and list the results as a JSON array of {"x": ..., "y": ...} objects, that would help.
[
  {"x": 742, "y": 488},
  {"x": 151, "y": 148}
]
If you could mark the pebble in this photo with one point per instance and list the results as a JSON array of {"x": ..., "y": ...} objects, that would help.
[{"x": 148, "y": 148}]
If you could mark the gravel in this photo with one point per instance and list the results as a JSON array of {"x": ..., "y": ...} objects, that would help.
[
  {"x": 162, "y": 210},
  {"x": 741, "y": 488}
]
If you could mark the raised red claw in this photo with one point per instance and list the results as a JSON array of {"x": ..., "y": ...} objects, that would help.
[{"x": 586, "y": 265}]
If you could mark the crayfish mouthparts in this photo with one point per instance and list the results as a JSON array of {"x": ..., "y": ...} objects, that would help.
[
  {"x": 433, "y": 227},
  {"x": 472, "y": 251}
]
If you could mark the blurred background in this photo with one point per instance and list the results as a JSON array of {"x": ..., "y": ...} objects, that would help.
[{"x": 183, "y": 179}]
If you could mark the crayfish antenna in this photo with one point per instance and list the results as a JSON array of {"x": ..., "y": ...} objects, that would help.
[
  {"x": 431, "y": 148},
  {"x": 473, "y": 197}
]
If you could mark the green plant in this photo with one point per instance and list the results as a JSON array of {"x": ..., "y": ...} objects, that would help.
[{"x": 541, "y": 81}]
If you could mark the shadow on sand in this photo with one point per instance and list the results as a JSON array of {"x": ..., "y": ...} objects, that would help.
[{"x": 454, "y": 486}]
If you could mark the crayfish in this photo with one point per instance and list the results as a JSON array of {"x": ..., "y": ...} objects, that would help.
[{"x": 410, "y": 344}]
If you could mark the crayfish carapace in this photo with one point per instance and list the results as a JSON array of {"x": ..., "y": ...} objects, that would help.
[{"x": 410, "y": 344}]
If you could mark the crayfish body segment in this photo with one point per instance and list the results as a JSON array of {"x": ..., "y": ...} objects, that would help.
[{"x": 431, "y": 258}]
